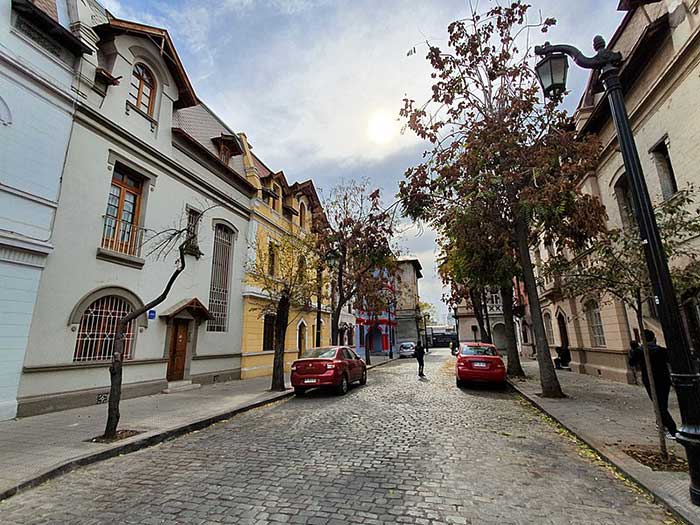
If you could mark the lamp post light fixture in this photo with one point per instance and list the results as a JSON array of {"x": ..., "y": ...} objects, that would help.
[
  {"x": 552, "y": 71},
  {"x": 684, "y": 374}
]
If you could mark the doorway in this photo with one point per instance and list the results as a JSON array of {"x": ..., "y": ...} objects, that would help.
[
  {"x": 301, "y": 338},
  {"x": 563, "y": 332},
  {"x": 178, "y": 350}
]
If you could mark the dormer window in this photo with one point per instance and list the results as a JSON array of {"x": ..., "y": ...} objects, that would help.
[{"x": 142, "y": 89}]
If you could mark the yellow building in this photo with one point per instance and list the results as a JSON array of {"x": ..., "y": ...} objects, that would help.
[{"x": 279, "y": 209}]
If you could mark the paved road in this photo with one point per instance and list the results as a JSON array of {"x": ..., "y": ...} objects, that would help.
[{"x": 396, "y": 451}]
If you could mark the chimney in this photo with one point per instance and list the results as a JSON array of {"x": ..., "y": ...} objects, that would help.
[
  {"x": 251, "y": 171},
  {"x": 48, "y": 7}
]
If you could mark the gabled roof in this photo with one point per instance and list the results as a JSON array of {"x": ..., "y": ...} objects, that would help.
[
  {"x": 307, "y": 188},
  {"x": 162, "y": 39},
  {"x": 192, "y": 306}
]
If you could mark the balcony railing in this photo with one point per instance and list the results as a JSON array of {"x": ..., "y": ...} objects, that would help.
[{"x": 121, "y": 236}]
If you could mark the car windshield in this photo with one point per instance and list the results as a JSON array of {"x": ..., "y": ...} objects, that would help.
[
  {"x": 478, "y": 350},
  {"x": 406, "y": 345},
  {"x": 319, "y": 353}
]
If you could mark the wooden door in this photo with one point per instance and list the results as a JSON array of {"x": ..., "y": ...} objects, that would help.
[{"x": 178, "y": 351}]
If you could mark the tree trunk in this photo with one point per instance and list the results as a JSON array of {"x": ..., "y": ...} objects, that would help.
[
  {"x": 115, "y": 369},
  {"x": 335, "y": 324},
  {"x": 514, "y": 367},
  {"x": 652, "y": 384},
  {"x": 475, "y": 298},
  {"x": 487, "y": 319},
  {"x": 319, "y": 297},
  {"x": 281, "y": 320},
  {"x": 548, "y": 376}
]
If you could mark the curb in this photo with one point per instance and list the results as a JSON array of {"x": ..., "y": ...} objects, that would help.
[
  {"x": 370, "y": 367},
  {"x": 607, "y": 457},
  {"x": 139, "y": 444}
]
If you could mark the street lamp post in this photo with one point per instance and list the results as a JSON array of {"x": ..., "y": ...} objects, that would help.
[{"x": 686, "y": 380}]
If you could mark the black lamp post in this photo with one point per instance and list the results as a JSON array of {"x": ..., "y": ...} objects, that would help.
[
  {"x": 332, "y": 263},
  {"x": 686, "y": 379}
]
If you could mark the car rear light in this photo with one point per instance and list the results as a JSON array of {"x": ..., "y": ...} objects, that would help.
[
  {"x": 331, "y": 366},
  {"x": 294, "y": 367}
]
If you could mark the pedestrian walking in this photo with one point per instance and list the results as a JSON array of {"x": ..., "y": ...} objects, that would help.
[
  {"x": 419, "y": 353},
  {"x": 658, "y": 357}
]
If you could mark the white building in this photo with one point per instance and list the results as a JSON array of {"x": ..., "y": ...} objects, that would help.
[
  {"x": 39, "y": 60},
  {"x": 145, "y": 155}
]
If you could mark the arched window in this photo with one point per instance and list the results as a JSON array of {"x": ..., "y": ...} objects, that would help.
[
  {"x": 595, "y": 323},
  {"x": 549, "y": 331},
  {"x": 301, "y": 337},
  {"x": 97, "y": 328},
  {"x": 220, "y": 287},
  {"x": 302, "y": 215},
  {"x": 143, "y": 89}
]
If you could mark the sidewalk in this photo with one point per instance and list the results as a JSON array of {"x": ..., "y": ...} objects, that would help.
[
  {"x": 37, "y": 448},
  {"x": 609, "y": 417}
]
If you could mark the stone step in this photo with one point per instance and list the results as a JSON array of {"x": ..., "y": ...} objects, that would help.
[{"x": 180, "y": 386}]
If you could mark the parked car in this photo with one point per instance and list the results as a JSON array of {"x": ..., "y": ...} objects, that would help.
[
  {"x": 407, "y": 349},
  {"x": 479, "y": 362},
  {"x": 328, "y": 367}
]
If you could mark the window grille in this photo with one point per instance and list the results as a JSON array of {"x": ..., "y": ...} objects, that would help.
[
  {"x": 97, "y": 329},
  {"x": 549, "y": 330},
  {"x": 220, "y": 279},
  {"x": 595, "y": 324}
]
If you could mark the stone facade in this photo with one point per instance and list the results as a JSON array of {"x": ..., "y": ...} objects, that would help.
[
  {"x": 409, "y": 323},
  {"x": 660, "y": 43}
]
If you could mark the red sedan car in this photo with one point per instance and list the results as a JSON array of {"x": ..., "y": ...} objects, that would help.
[
  {"x": 329, "y": 367},
  {"x": 479, "y": 362}
]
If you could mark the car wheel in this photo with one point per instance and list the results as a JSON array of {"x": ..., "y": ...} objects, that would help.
[
  {"x": 459, "y": 383},
  {"x": 299, "y": 391},
  {"x": 363, "y": 379},
  {"x": 344, "y": 386}
]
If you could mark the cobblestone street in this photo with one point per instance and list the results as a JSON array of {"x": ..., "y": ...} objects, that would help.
[{"x": 396, "y": 451}]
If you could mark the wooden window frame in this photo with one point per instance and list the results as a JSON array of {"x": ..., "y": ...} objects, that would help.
[
  {"x": 140, "y": 88},
  {"x": 126, "y": 247},
  {"x": 594, "y": 320},
  {"x": 269, "y": 332}
]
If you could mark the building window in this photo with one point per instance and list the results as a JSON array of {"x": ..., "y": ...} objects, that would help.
[
  {"x": 220, "y": 278},
  {"x": 271, "y": 259},
  {"x": 595, "y": 323},
  {"x": 549, "y": 331},
  {"x": 193, "y": 219},
  {"x": 120, "y": 231},
  {"x": 302, "y": 216},
  {"x": 525, "y": 334},
  {"x": 624, "y": 202},
  {"x": 97, "y": 328},
  {"x": 361, "y": 333},
  {"x": 269, "y": 332},
  {"x": 277, "y": 200},
  {"x": 301, "y": 338},
  {"x": 662, "y": 159},
  {"x": 142, "y": 89}
]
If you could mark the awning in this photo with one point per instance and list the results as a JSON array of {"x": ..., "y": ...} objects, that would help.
[{"x": 193, "y": 307}]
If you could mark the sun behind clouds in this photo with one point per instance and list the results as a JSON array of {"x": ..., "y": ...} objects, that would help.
[{"x": 382, "y": 128}]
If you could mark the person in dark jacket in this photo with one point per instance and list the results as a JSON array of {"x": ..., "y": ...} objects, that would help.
[
  {"x": 419, "y": 353},
  {"x": 658, "y": 356}
]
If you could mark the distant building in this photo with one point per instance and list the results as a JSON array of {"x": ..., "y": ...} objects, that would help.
[{"x": 410, "y": 325}]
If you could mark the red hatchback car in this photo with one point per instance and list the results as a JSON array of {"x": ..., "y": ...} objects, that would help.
[
  {"x": 328, "y": 367},
  {"x": 479, "y": 362}
]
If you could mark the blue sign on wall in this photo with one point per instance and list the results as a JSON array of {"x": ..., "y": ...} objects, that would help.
[{"x": 151, "y": 314}]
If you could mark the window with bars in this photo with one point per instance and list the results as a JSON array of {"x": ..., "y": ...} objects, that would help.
[
  {"x": 97, "y": 329},
  {"x": 193, "y": 220},
  {"x": 220, "y": 278},
  {"x": 271, "y": 259},
  {"x": 121, "y": 231},
  {"x": 269, "y": 332},
  {"x": 302, "y": 216},
  {"x": 142, "y": 89},
  {"x": 595, "y": 323}
]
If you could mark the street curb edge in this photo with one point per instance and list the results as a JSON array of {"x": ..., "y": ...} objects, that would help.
[
  {"x": 606, "y": 456},
  {"x": 134, "y": 446}
]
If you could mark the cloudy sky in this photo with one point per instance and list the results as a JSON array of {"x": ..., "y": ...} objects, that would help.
[{"x": 317, "y": 84}]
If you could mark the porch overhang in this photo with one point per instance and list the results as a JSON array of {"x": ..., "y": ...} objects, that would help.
[{"x": 188, "y": 308}]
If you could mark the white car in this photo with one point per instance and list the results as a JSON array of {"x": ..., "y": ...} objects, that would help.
[{"x": 407, "y": 349}]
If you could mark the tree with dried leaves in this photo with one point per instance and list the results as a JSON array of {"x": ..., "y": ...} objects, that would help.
[
  {"x": 498, "y": 153},
  {"x": 355, "y": 233},
  {"x": 613, "y": 267},
  {"x": 284, "y": 268}
]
